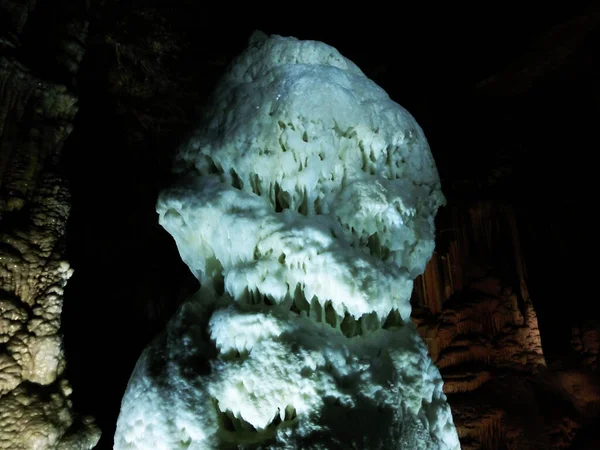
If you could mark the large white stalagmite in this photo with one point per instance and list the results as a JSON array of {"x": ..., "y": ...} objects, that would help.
[{"x": 306, "y": 208}]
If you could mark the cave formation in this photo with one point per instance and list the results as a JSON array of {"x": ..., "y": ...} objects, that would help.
[
  {"x": 95, "y": 97},
  {"x": 304, "y": 203}
]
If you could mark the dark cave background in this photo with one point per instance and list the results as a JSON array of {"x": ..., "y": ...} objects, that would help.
[{"x": 508, "y": 98}]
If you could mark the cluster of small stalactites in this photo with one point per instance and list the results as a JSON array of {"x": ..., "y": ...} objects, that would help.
[
  {"x": 293, "y": 121},
  {"x": 237, "y": 242}
]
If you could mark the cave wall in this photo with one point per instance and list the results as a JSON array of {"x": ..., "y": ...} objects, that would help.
[
  {"x": 473, "y": 309},
  {"x": 504, "y": 302},
  {"x": 36, "y": 118}
]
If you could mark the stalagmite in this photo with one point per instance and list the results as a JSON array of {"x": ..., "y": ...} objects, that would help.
[{"x": 305, "y": 207}]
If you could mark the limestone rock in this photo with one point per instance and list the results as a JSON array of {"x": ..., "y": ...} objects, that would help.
[
  {"x": 482, "y": 331},
  {"x": 36, "y": 116}
]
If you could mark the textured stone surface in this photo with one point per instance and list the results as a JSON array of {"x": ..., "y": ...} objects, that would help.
[
  {"x": 305, "y": 208},
  {"x": 36, "y": 117},
  {"x": 482, "y": 330}
]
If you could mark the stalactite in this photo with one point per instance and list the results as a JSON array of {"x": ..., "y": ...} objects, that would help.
[
  {"x": 520, "y": 266},
  {"x": 472, "y": 238},
  {"x": 492, "y": 435},
  {"x": 431, "y": 287}
]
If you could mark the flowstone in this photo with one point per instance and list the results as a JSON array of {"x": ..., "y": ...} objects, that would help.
[{"x": 305, "y": 207}]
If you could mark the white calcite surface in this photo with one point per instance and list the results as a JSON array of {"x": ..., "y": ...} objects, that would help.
[{"x": 305, "y": 207}]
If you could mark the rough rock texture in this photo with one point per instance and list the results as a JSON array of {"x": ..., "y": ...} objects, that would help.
[
  {"x": 36, "y": 117},
  {"x": 482, "y": 331},
  {"x": 305, "y": 208}
]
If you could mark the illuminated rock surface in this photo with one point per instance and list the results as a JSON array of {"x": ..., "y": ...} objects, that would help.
[
  {"x": 36, "y": 117},
  {"x": 305, "y": 208},
  {"x": 473, "y": 309}
]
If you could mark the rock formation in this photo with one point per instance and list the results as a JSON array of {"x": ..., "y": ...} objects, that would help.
[
  {"x": 305, "y": 208},
  {"x": 36, "y": 117},
  {"x": 474, "y": 311}
]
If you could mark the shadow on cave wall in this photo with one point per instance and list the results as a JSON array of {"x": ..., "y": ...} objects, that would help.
[
  {"x": 145, "y": 75},
  {"x": 128, "y": 277}
]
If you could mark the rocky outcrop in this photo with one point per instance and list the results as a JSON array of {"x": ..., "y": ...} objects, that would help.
[
  {"x": 36, "y": 116},
  {"x": 473, "y": 309}
]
